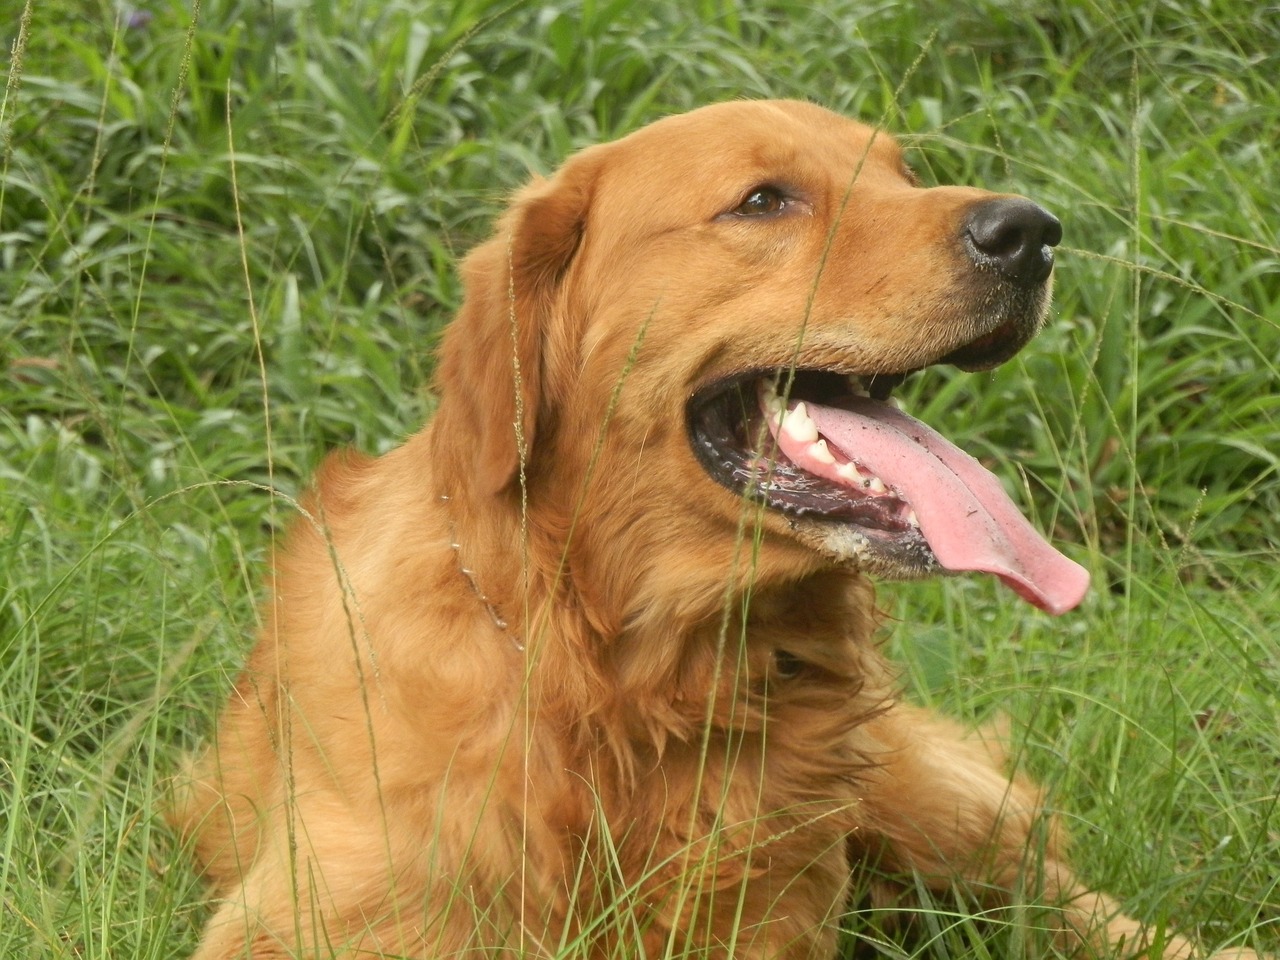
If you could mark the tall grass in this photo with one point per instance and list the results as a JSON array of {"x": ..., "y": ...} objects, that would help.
[{"x": 225, "y": 221}]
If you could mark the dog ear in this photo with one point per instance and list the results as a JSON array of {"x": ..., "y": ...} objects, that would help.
[{"x": 493, "y": 356}]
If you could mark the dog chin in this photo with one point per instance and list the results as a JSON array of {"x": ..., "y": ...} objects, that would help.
[{"x": 904, "y": 557}]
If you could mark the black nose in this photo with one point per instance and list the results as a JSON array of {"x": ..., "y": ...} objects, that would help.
[{"x": 1014, "y": 236}]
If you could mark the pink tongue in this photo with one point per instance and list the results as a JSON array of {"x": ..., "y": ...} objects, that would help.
[{"x": 968, "y": 520}]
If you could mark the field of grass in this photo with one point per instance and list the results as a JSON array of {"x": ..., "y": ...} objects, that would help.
[{"x": 227, "y": 240}]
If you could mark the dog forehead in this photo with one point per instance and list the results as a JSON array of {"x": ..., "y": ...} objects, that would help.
[
  {"x": 735, "y": 145},
  {"x": 758, "y": 121}
]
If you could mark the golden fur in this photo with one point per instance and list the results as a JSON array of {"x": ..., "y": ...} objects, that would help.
[{"x": 629, "y": 707}]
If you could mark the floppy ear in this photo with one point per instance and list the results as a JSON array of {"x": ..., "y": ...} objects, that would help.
[{"x": 492, "y": 358}]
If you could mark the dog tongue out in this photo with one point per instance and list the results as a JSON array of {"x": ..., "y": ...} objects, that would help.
[{"x": 968, "y": 520}]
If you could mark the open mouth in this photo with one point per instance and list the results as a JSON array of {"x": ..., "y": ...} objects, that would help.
[{"x": 870, "y": 484}]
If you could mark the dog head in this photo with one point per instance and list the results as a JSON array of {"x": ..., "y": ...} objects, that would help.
[{"x": 687, "y": 338}]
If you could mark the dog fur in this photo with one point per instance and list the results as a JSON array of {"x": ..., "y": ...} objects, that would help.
[{"x": 534, "y": 684}]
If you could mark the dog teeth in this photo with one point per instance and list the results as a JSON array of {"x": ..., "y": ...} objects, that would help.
[
  {"x": 912, "y": 519},
  {"x": 800, "y": 428},
  {"x": 854, "y": 476},
  {"x": 848, "y": 473},
  {"x": 774, "y": 407},
  {"x": 798, "y": 425},
  {"x": 858, "y": 387}
]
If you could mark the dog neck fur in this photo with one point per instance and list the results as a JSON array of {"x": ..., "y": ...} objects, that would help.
[{"x": 652, "y": 664}]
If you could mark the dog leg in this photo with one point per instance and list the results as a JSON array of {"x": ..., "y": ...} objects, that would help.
[
  {"x": 345, "y": 889},
  {"x": 241, "y": 929},
  {"x": 941, "y": 807}
]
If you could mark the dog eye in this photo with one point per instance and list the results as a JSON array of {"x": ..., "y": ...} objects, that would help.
[{"x": 761, "y": 202}]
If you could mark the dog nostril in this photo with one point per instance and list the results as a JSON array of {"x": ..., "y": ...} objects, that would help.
[{"x": 1015, "y": 236}]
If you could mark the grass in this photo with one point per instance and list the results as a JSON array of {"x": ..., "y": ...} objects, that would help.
[{"x": 227, "y": 238}]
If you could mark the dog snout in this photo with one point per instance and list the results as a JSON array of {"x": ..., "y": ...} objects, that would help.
[{"x": 1013, "y": 236}]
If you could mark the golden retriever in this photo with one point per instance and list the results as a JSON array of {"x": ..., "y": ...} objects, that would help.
[{"x": 586, "y": 667}]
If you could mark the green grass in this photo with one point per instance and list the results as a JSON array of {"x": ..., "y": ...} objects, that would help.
[{"x": 187, "y": 204}]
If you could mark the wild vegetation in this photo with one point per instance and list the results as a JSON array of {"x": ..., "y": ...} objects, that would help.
[{"x": 228, "y": 233}]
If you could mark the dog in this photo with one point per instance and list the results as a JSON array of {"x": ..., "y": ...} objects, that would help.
[{"x": 586, "y": 667}]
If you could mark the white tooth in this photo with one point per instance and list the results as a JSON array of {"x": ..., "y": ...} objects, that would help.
[
  {"x": 912, "y": 518},
  {"x": 820, "y": 452},
  {"x": 848, "y": 473},
  {"x": 798, "y": 426},
  {"x": 874, "y": 484},
  {"x": 857, "y": 386}
]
